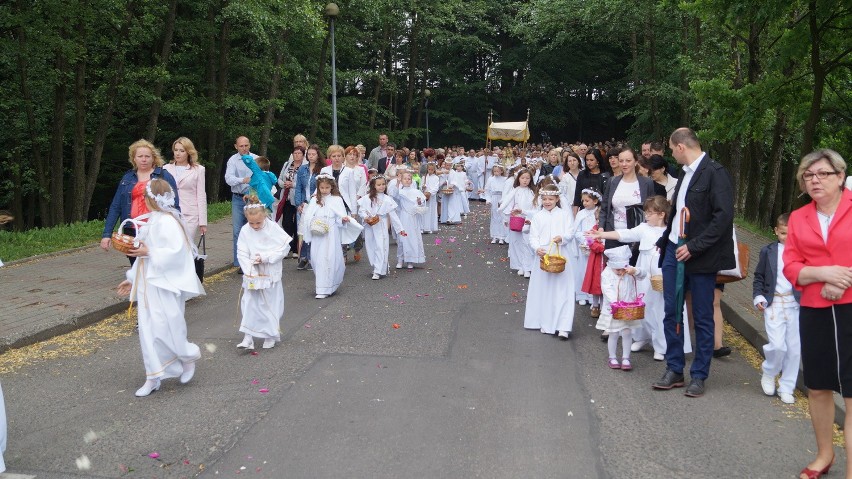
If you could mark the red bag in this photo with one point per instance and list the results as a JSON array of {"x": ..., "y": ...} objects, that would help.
[{"x": 516, "y": 223}]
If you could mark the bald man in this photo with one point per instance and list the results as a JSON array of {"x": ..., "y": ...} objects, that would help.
[{"x": 238, "y": 176}]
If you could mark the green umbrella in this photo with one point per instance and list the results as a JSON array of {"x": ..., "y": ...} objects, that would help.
[{"x": 679, "y": 289}]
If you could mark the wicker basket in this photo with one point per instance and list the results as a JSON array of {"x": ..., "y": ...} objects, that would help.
[
  {"x": 122, "y": 243},
  {"x": 552, "y": 263},
  {"x": 657, "y": 283},
  {"x": 447, "y": 191},
  {"x": 372, "y": 220},
  {"x": 628, "y": 310}
]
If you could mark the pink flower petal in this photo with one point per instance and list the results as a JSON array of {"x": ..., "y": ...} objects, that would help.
[
  {"x": 263, "y": 391},
  {"x": 255, "y": 381},
  {"x": 254, "y": 353},
  {"x": 154, "y": 455}
]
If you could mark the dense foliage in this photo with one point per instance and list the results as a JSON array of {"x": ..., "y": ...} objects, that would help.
[{"x": 80, "y": 80}]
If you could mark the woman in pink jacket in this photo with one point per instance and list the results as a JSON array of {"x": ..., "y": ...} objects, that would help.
[{"x": 189, "y": 176}]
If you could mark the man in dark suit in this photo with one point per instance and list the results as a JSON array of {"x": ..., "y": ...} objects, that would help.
[
  {"x": 386, "y": 161},
  {"x": 704, "y": 187}
]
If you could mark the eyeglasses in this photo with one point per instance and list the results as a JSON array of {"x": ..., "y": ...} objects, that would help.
[{"x": 821, "y": 175}]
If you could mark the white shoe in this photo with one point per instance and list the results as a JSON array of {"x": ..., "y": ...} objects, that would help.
[
  {"x": 520, "y": 272},
  {"x": 493, "y": 240},
  {"x": 638, "y": 345},
  {"x": 375, "y": 276},
  {"x": 321, "y": 296},
  {"x": 399, "y": 266},
  {"x": 582, "y": 302},
  {"x": 150, "y": 386},
  {"x": 527, "y": 274},
  {"x": 410, "y": 266},
  {"x": 767, "y": 382},
  {"x": 188, "y": 372},
  {"x": 543, "y": 331},
  {"x": 564, "y": 334},
  {"x": 502, "y": 241},
  {"x": 248, "y": 343},
  {"x": 268, "y": 343},
  {"x": 659, "y": 357},
  {"x": 786, "y": 398},
  {"x": 427, "y": 232}
]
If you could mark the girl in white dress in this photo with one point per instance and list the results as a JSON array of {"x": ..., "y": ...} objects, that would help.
[
  {"x": 568, "y": 179},
  {"x": 617, "y": 285},
  {"x": 457, "y": 181},
  {"x": 160, "y": 281},
  {"x": 261, "y": 248},
  {"x": 519, "y": 202},
  {"x": 431, "y": 185},
  {"x": 376, "y": 238},
  {"x": 412, "y": 204},
  {"x": 583, "y": 222},
  {"x": 493, "y": 193},
  {"x": 647, "y": 234},
  {"x": 326, "y": 215},
  {"x": 550, "y": 296}
]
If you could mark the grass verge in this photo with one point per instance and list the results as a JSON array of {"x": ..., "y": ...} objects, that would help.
[{"x": 16, "y": 245}]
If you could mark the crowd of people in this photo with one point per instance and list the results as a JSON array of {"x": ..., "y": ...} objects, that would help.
[{"x": 644, "y": 244}]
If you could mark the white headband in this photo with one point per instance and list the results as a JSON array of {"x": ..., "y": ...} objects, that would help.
[
  {"x": 548, "y": 193},
  {"x": 591, "y": 192},
  {"x": 252, "y": 206}
]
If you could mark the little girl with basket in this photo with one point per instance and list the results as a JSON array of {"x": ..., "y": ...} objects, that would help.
[
  {"x": 261, "y": 248},
  {"x": 378, "y": 209},
  {"x": 618, "y": 284},
  {"x": 550, "y": 296}
]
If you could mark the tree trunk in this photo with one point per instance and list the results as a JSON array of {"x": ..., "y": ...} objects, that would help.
[
  {"x": 165, "y": 53},
  {"x": 33, "y": 134},
  {"x": 769, "y": 208},
  {"x": 815, "y": 111},
  {"x": 280, "y": 41},
  {"x": 213, "y": 147},
  {"x": 652, "y": 55},
  {"x": 684, "y": 83},
  {"x": 221, "y": 90},
  {"x": 736, "y": 150},
  {"x": 76, "y": 194},
  {"x": 754, "y": 181},
  {"x": 318, "y": 86},
  {"x": 57, "y": 140}
]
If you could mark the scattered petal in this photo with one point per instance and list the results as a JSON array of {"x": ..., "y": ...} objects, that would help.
[
  {"x": 263, "y": 390},
  {"x": 395, "y": 326},
  {"x": 570, "y": 413},
  {"x": 210, "y": 347},
  {"x": 255, "y": 381},
  {"x": 154, "y": 455},
  {"x": 83, "y": 463},
  {"x": 254, "y": 353},
  {"x": 186, "y": 462},
  {"x": 462, "y": 286},
  {"x": 90, "y": 437},
  {"x": 437, "y": 241},
  {"x": 308, "y": 326}
]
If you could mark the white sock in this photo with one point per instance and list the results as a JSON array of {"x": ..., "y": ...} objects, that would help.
[
  {"x": 612, "y": 344},
  {"x": 596, "y": 300},
  {"x": 248, "y": 339},
  {"x": 626, "y": 341}
]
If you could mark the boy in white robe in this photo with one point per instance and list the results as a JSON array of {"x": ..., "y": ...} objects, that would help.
[
  {"x": 161, "y": 280},
  {"x": 550, "y": 296},
  {"x": 261, "y": 248},
  {"x": 412, "y": 204}
]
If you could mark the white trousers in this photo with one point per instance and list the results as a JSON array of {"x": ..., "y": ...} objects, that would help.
[{"x": 783, "y": 353}]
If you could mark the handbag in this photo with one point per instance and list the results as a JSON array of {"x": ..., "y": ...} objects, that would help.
[
  {"x": 740, "y": 271},
  {"x": 202, "y": 255}
]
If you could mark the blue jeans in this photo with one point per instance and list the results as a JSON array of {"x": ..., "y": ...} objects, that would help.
[
  {"x": 239, "y": 218},
  {"x": 701, "y": 285}
]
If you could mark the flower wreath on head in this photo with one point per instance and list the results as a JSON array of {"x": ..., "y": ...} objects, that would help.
[
  {"x": 593, "y": 193},
  {"x": 548, "y": 193},
  {"x": 165, "y": 201},
  {"x": 326, "y": 176},
  {"x": 254, "y": 206}
]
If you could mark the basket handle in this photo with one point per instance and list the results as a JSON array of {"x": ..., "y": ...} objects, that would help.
[
  {"x": 546, "y": 256},
  {"x": 618, "y": 287}
]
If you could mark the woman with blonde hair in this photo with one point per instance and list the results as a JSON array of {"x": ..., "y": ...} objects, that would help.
[
  {"x": 189, "y": 176},
  {"x": 129, "y": 199}
]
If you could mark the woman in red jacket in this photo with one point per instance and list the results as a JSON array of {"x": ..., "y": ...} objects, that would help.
[{"x": 818, "y": 262}]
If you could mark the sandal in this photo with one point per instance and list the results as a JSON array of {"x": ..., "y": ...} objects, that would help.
[
  {"x": 812, "y": 474},
  {"x": 614, "y": 364}
]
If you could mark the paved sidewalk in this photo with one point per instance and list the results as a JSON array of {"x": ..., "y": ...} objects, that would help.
[{"x": 48, "y": 295}]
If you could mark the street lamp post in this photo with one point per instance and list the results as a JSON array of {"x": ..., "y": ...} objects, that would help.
[
  {"x": 331, "y": 11},
  {"x": 427, "y": 94}
]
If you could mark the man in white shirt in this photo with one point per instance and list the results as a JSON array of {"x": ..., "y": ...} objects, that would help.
[
  {"x": 378, "y": 152},
  {"x": 237, "y": 176}
]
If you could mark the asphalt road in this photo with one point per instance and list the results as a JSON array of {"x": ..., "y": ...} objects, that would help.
[{"x": 459, "y": 390}]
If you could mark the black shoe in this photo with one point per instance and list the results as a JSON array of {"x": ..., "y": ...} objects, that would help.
[
  {"x": 670, "y": 380},
  {"x": 722, "y": 352},
  {"x": 303, "y": 263},
  {"x": 604, "y": 337},
  {"x": 695, "y": 388}
]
